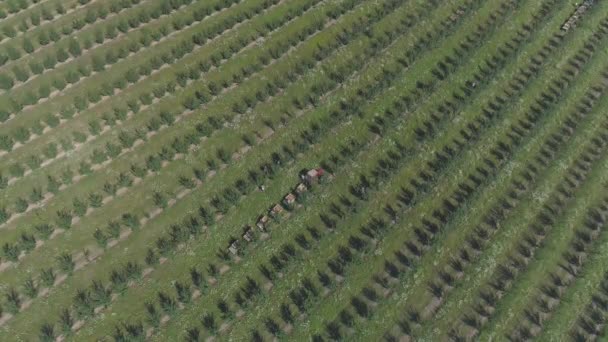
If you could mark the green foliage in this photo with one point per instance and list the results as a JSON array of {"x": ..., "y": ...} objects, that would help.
[
  {"x": 84, "y": 168},
  {"x": 34, "y": 162},
  {"x": 37, "y": 128},
  {"x": 47, "y": 276},
  {"x": 21, "y": 205},
  {"x": 47, "y": 333},
  {"x": 80, "y": 206},
  {"x": 28, "y": 46},
  {"x": 109, "y": 188},
  {"x": 21, "y": 134},
  {"x": 67, "y": 175},
  {"x": 167, "y": 303},
  {"x": 44, "y": 91},
  {"x": 36, "y": 195},
  {"x": 3, "y": 182},
  {"x": 66, "y": 321},
  {"x": 64, "y": 219},
  {"x": 94, "y": 127},
  {"x": 61, "y": 55},
  {"x": 114, "y": 229},
  {"x": 21, "y": 74},
  {"x": 186, "y": 182},
  {"x": 83, "y": 304},
  {"x": 113, "y": 150},
  {"x": 50, "y": 150},
  {"x": 79, "y": 137},
  {"x": 36, "y": 67},
  {"x": 74, "y": 48},
  {"x": 13, "y": 301},
  {"x": 151, "y": 257},
  {"x": 154, "y": 163},
  {"x": 6, "y": 143},
  {"x": 100, "y": 294},
  {"x": 16, "y": 170},
  {"x": 44, "y": 230},
  {"x": 29, "y": 288},
  {"x": 6, "y": 82},
  {"x": 160, "y": 199},
  {"x": 27, "y": 242},
  {"x": 43, "y": 38},
  {"x": 66, "y": 263},
  {"x": 4, "y": 214},
  {"x": 10, "y": 251},
  {"x": 100, "y": 238},
  {"x": 153, "y": 314},
  {"x": 52, "y": 184},
  {"x": 95, "y": 200}
]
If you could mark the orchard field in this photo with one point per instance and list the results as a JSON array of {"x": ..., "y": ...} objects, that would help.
[{"x": 303, "y": 170}]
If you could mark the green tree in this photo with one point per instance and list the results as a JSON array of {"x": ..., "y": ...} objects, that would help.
[
  {"x": 21, "y": 74},
  {"x": 151, "y": 257},
  {"x": 52, "y": 184},
  {"x": 36, "y": 67},
  {"x": 95, "y": 199},
  {"x": 61, "y": 56},
  {"x": 54, "y": 35},
  {"x": 13, "y": 302},
  {"x": 183, "y": 292},
  {"x": 3, "y": 182},
  {"x": 16, "y": 170},
  {"x": 74, "y": 48},
  {"x": 59, "y": 83},
  {"x": 47, "y": 333},
  {"x": 130, "y": 220},
  {"x": 64, "y": 219},
  {"x": 66, "y": 263},
  {"x": 99, "y": 63},
  {"x": 83, "y": 304},
  {"x": 44, "y": 230},
  {"x": 6, "y": 82},
  {"x": 91, "y": 16},
  {"x": 47, "y": 276},
  {"x": 43, "y": 38},
  {"x": 66, "y": 321},
  {"x": 114, "y": 229},
  {"x": 27, "y": 242},
  {"x": 33, "y": 162},
  {"x": 153, "y": 313},
  {"x": 80, "y": 206},
  {"x": 167, "y": 303},
  {"x": 21, "y": 205},
  {"x": 160, "y": 200},
  {"x": 100, "y": 238},
  {"x": 28, "y": 46},
  {"x": 50, "y": 150},
  {"x": 10, "y": 251},
  {"x": 100, "y": 294},
  {"x": 21, "y": 134},
  {"x": 29, "y": 288},
  {"x": 51, "y": 120},
  {"x": 35, "y": 18},
  {"x": 36, "y": 195},
  {"x": 6, "y": 143}
]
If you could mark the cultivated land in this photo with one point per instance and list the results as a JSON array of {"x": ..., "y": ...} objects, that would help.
[{"x": 303, "y": 170}]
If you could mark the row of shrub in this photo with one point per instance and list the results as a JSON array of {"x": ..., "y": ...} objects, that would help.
[{"x": 74, "y": 47}]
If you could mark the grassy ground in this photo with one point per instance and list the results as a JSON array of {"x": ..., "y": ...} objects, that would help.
[{"x": 371, "y": 50}]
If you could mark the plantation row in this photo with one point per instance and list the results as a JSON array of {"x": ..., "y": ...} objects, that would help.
[
  {"x": 438, "y": 214},
  {"x": 303, "y": 170},
  {"x": 202, "y": 173}
]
